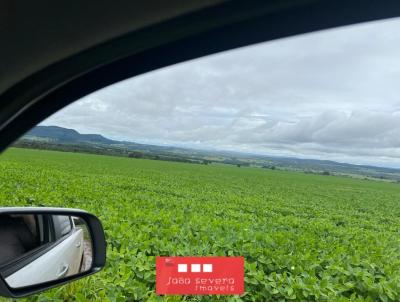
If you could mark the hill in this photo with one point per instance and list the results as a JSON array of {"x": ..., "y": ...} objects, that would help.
[
  {"x": 63, "y": 139},
  {"x": 64, "y": 135}
]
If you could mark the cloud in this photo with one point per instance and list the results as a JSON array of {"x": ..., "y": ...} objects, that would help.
[{"x": 331, "y": 94}]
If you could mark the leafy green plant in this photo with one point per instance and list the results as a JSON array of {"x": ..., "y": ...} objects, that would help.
[{"x": 304, "y": 237}]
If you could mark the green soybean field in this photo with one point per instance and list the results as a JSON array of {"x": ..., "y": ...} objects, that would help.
[{"x": 304, "y": 237}]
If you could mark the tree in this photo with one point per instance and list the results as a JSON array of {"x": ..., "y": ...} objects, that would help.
[{"x": 135, "y": 154}]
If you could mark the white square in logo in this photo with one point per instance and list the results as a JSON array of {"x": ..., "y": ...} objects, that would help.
[
  {"x": 195, "y": 268},
  {"x": 207, "y": 268},
  {"x": 182, "y": 268}
]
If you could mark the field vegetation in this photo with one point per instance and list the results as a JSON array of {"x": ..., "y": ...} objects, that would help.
[{"x": 304, "y": 237}]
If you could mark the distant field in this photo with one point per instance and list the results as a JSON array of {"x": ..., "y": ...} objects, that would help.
[{"x": 304, "y": 237}]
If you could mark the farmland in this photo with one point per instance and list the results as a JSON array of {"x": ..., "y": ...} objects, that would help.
[{"x": 304, "y": 237}]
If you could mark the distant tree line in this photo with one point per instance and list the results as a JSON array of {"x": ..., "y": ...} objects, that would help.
[
  {"x": 149, "y": 154},
  {"x": 269, "y": 167},
  {"x": 79, "y": 148},
  {"x": 104, "y": 150},
  {"x": 177, "y": 158}
]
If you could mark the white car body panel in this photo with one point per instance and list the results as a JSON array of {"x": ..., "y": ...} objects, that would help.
[{"x": 61, "y": 261}]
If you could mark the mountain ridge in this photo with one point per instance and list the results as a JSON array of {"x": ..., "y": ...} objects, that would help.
[
  {"x": 68, "y": 135},
  {"x": 64, "y": 139}
]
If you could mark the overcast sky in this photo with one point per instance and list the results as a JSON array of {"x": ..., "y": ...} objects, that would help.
[{"x": 329, "y": 95}]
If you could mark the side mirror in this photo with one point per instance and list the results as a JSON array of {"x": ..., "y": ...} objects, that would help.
[{"x": 41, "y": 248}]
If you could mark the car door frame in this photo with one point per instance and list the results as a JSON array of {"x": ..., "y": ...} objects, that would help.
[{"x": 221, "y": 27}]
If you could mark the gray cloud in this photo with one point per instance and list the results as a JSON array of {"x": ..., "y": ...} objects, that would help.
[{"x": 332, "y": 94}]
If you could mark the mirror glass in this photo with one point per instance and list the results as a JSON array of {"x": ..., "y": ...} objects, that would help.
[{"x": 37, "y": 248}]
